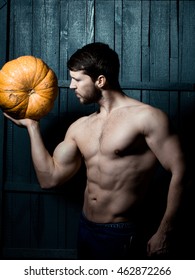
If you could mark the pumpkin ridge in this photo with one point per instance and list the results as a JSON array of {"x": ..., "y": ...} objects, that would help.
[
  {"x": 24, "y": 72},
  {"x": 39, "y": 81},
  {"x": 14, "y": 113},
  {"x": 2, "y": 72},
  {"x": 16, "y": 104},
  {"x": 50, "y": 82},
  {"x": 43, "y": 93}
]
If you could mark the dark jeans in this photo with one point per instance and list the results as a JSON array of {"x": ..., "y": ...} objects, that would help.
[{"x": 100, "y": 241}]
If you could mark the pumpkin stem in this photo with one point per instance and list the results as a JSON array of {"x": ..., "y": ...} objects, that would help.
[{"x": 31, "y": 91}]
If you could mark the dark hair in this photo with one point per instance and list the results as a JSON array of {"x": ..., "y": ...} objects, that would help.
[{"x": 97, "y": 59}]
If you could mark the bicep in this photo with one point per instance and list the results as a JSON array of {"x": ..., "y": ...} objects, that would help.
[
  {"x": 164, "y": 143},
  {"x": 170, "y": 153},
  {"x": 67, "y": 160}
]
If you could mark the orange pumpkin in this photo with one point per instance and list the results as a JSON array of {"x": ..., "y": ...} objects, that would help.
[{"x": 28, "y": 88}]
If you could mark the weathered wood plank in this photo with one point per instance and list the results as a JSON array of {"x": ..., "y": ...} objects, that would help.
[
  {"x": 3, "y": 57},
  {"x": 16, "y": 220},
  {"x": 174, "y": 63},
  {"x": 118, "y": 31},
  {"x": 131, "y": 60},
  {"x": 20, "y": 28},
  {"x": 45, "y": 33},
  {"x": 48, "y": 228},
  {"x": 187, "y": 41},
  {"x": 145, "y": 48},
  {"x": 145, "y": 44},
  {"x": 104, "y": 21},
  {"x": 76, "y": 25},
  {"x": 64, "y": 48},
  {"x": 174, "y": 42},
  {"x": 3, "y": 32},
  {"x": 159, "y": 41},
  {"x": 90, "y": 17},
  {"x": 159, "y": 51},
  {"x": 64, "y": 32},
  {"x": 186, "y": 73}
]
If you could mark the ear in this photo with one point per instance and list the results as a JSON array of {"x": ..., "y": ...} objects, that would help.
[{"x": 101, "y": 81}]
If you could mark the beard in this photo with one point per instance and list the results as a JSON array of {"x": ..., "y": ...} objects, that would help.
[{"x": 94, "y": 97}]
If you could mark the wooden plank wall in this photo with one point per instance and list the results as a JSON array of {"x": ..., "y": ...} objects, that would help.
[
  {"x": 155, "y": 42},
  {"x": 3, "y": 56}
]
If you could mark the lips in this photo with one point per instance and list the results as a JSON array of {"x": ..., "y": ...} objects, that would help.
[{"x": 78, "y": 96}]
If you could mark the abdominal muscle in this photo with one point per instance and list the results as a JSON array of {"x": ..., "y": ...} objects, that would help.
[{"x": 116, "y": 186}]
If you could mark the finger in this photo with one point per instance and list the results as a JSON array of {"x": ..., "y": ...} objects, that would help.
[
  {"x": 148, "y": 250},
  {"x": 7, "y": 116}
]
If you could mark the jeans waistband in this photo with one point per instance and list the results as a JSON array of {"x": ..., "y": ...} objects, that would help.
[{"x": 119, "y": 225}]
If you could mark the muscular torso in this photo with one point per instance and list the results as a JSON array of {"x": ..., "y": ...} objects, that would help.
[{"x": 119, "y": 164}]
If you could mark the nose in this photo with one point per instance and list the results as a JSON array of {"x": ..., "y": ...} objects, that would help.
[{"x": 72, "y": 84}]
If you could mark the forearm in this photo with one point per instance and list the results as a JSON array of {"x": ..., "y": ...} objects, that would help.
[
  {"x": 53, "y": 170},
  {"x": 174, "y": 202},
  {"x": 42, "y": 160},
  {"x": 159, "y": 243}
]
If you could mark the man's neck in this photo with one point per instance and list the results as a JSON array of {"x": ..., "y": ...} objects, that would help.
[{"x": 111, "y": 100}]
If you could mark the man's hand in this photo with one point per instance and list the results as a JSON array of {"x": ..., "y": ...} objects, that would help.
[
  {"x": 158, "y": 245},
  {"x": 21, "y": 122}
]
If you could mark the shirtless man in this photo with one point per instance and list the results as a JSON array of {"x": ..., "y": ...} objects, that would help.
[{"x": 120, "y": 144}]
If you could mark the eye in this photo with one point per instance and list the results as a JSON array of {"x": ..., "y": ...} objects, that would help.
[{"x": 75, "y": 79}]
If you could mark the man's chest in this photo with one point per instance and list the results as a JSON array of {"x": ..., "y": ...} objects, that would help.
[{"x": 111, "y": 138}]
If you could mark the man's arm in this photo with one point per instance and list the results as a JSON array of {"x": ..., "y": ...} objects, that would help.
[
  {"x": 166, "y": 146},
  {"x": 53, "y": 170}
]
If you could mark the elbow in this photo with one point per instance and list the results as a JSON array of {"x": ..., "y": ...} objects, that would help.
[
  {"x": 45, "y": 185},
  {"x": 46, "y": 180},
  {"x": 50, "y": 184}
]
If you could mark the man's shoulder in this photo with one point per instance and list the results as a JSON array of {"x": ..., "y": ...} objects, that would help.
[
  {"x": 81, "y": 122},
  {"x": 145, "y": 113},
  {"x": 140, "y": 107},
  {"x": 78, "y": 122}
]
